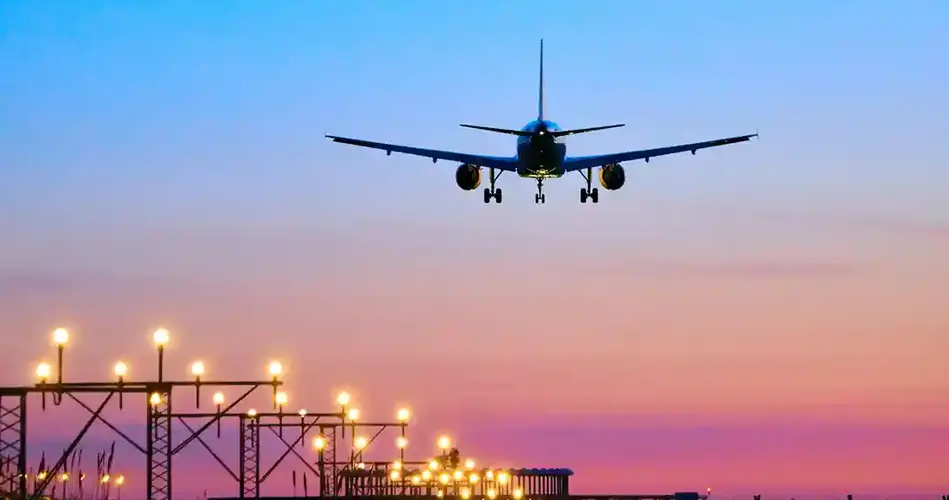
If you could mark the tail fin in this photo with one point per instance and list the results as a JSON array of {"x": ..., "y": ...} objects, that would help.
[{"x": 540, "y": 90}]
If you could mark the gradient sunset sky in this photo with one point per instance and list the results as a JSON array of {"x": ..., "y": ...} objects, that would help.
[{"x": 769, "y": 316}]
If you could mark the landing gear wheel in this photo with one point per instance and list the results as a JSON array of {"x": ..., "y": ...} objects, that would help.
[
  {"x": 487, "y": 195},
  {"x": 497, "y": 195},
  {"x": 595, "y": 195},
  {"x": 539, "y": 197},
  {"x": 583, "y": 195}
]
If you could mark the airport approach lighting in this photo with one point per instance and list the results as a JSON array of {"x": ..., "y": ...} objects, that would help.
[
  {"x": 353, "y": 414},
  {"x": 401, "y": 442},
  {"x": 197, "y": 369},
  {"x": 43, "y": 371},
  {"x": 343, "y": 399},
  {"x": 60, "y": 337},
  {"x": 319, "y": 442},
  {"x": 251, "y": 413},
  {"x": 444, "y": 443},
  {"x": 402, "y": 415},
  {"x": 161, "y": 337},
  {"x": 120, "y": 370},
  {"x": 469, "y": 464},
  {"x": 282, "y": 399},
  {"x": 518, "y": 494},
  {"x": 275, "y": 369},
  {"x": 218, "y": 398},
  {"x": 155, "y": 399},
  {"x": 361, "y": 442}
]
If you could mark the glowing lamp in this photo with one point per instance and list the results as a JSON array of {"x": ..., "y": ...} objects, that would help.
[
  {"x": 160, "y": 337},
  {"x": 43, "y": 371},
  {"x": 444, "y": 443},
  {"x": 60, "y": 337},
  {"x": 319, "y": 442},
  {"x": 402, "y": 415}
]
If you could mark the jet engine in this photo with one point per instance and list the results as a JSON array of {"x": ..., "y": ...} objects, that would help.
[
  {"x": 468, "y": 176},
  {"x": 612, "y": 177}
]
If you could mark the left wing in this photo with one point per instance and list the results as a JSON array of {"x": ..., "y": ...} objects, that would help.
[
  {"x": 581, "y": 162},
  {"x": 498, "y": 162}
]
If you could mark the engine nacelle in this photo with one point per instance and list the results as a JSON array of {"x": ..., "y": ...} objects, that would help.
[
  {"x": 468, "y": 176},
  {"x": 612, "y": 177}
]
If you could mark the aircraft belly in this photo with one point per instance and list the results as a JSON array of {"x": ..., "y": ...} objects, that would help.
[{"x": 541, "y": 164}]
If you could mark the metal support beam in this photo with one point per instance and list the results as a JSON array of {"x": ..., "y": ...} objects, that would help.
[
  {"x": 250, "y": 456},
  {"x": 13, "y": 443},
  {"x": 158, "y": 446}
]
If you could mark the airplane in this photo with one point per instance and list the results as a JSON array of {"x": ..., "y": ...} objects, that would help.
[{"x": 541, "y": 154}]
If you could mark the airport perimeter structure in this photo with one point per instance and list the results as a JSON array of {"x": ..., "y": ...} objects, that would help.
[{"x": 332, "y": 442}]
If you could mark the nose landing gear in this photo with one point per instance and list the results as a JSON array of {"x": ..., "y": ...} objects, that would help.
[{"x": 539, "y": 197}]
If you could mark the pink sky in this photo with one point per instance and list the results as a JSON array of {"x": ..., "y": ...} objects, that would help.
[{"x": 666, "y": 363}]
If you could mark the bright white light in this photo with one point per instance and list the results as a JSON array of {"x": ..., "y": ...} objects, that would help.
[
  {"x": 43, "y": 371},
  {"x": 403, "y": 415},
  {"x": 218, "y": 398},
  {"x": 160, "y": 337},
  {"x": 275, "y": 368},
  {"x": 121, "y": 369},
  {"x": 197, "y": 368},
  {"x": 319, "y": 442},
  {"x": 343, "y": 398},
  {"x": 60, "y": 336}
]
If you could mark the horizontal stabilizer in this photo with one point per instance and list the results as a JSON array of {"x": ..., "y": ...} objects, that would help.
[
  {"x": 499, "y": 130},
  {"x": 561, "y": 133}
]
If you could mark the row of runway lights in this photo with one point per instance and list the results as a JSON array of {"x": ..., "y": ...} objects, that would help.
[
  {"x": 118, "y": 480},
  {"x": 161, "y": 337},
  {"x": 457, "y": 477}
]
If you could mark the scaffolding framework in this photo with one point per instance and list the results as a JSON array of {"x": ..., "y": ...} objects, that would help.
[
  {"x": 159, "y": 445},
  {"x": 13, "y": 440},
  {"x": 249, "y": 457}
]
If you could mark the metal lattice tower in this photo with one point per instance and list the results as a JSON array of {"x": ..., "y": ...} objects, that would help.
[
  {"x": 331, "y": 469},
  {"x": 159, "y": 444},
  {"x": 250, "y": 457},
  {"x": 13, "y": 443}
]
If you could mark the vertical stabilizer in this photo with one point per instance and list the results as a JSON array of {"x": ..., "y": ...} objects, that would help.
[{"x": 540, "y": 90}]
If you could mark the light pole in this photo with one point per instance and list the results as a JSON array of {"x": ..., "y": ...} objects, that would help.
[
  {"x": 218, "y": 400},
  {"x": 43, "y": 371},
  {"x": 60, "y": 339},
  {"x": 120, "y": 370},
  {"x": 402, "y": 415},
  {"x": 275, "y": 369},
  {"x": 319, "y": 442},
  {"x": 197, "y": 369},
  {"x": 161, "y": 337}
]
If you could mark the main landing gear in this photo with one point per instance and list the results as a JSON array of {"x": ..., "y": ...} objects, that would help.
[
  {"x": 539, "y": 197},
  {"x": 589, "y": 192},
  {"x": 492, "y": 192}
]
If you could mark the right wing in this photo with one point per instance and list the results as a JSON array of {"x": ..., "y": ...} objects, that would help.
[
  {"x": 498, "y": 162},
  {"x": 580, "y": 162}
]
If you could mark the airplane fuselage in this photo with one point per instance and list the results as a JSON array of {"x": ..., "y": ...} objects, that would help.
[{"x": 541, "y": 156}]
